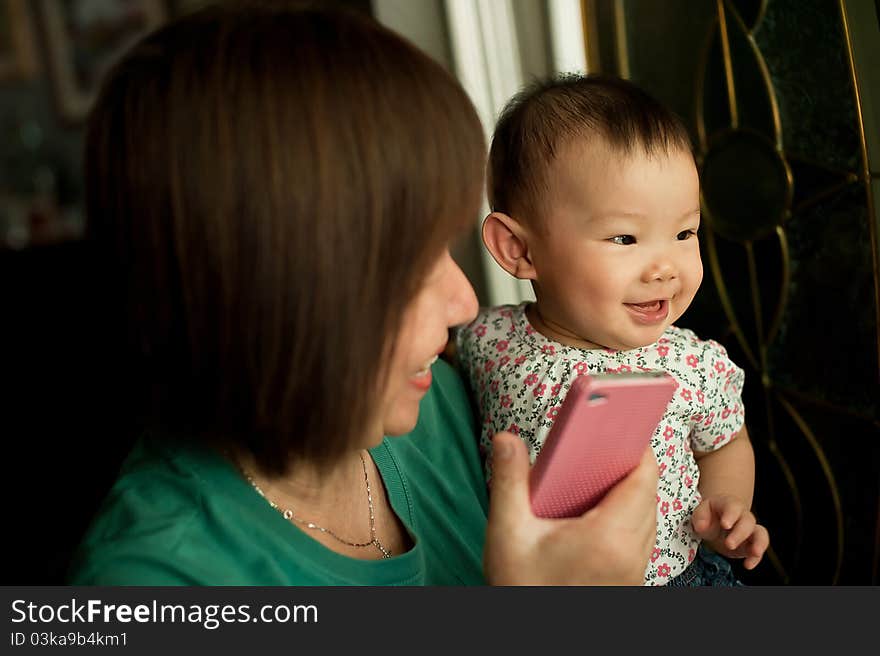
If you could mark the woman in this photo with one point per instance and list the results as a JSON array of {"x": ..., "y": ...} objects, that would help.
[{"x": 273, "y": 192}]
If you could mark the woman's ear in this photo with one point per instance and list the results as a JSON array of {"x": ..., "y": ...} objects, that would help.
[{"x": 507, "y": 241}]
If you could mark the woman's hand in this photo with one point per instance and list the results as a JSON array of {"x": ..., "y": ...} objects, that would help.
[{"x": 608, "y": 545}]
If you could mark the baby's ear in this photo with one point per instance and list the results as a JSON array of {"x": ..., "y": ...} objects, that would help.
[{"x": 508, "y": 243}]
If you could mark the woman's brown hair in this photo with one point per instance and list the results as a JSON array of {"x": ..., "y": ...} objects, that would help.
[{"x": 266, "y": 187}]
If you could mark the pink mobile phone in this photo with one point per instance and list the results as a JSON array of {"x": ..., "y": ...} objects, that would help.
[{"x": 604, "y": 425}]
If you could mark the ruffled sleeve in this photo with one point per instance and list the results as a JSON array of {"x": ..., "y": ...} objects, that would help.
[{"x": 724, "y": 412}]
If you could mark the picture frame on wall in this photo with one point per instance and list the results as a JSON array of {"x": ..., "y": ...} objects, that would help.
[
  {"x": 84, "y": 38},
  {"x": 18, "y": 60}
]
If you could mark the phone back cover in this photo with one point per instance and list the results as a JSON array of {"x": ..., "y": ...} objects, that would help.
[{"x": 595, "y": 442}]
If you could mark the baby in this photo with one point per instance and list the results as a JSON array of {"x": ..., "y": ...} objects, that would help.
[{"x": 595, "y": 199}]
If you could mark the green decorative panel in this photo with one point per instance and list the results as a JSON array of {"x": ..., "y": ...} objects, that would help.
[
  {"x": 789, "y": 245},
  {"x": 826, "y": 346},
  {"x": 805, "y": 49}
]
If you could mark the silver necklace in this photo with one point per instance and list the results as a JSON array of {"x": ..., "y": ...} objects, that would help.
[{"x": 288, "y": 514}]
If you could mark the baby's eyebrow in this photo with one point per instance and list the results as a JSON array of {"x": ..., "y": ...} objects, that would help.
[
  {"x": 638, "y": 215},
  {"x": 620, "y": 215}
]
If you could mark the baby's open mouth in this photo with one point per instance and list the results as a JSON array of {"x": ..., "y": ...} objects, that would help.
[
  {"x": 650, "y": 306},
  {"x": 649, "y": 313}
]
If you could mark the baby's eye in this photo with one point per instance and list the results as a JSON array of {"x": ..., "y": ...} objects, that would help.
[
  {"x": 686, "y": 234},
  {"x": 623, "y": 240}
]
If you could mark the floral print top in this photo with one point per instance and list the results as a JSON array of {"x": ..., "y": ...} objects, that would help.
[{"x": 520, "y": 377}]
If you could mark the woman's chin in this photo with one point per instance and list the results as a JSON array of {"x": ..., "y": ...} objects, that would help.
[{"x": 402, "y": 422}]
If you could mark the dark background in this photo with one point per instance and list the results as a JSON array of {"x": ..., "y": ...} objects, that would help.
[
  {"x": 63, "y": 428},
  {"x": 790, "y": 242}
]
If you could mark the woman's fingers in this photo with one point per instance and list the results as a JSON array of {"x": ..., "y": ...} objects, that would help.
[
  {"x": 510, "y": 480},
  {"x": 607, "y": 545},
  {"x": 507, "y": 541},
  {"x": 632, "y": 503},
  {"x": 636, "y": 494}
]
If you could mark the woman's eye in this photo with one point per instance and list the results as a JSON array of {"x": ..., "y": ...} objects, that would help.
[
  {"x": 623, "y": 240},
  {"x": 686, "y": 234}
]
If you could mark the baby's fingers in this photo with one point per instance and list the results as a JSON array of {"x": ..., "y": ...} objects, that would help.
[
  {"x": 731, "y": 512},
  {"x": 757, "y": 545},
  {"x": 743, "y": 528},
  {"x": 703, "y": 521}
]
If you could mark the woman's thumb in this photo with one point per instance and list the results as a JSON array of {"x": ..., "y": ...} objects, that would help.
[{"x": 510, "y": 481}]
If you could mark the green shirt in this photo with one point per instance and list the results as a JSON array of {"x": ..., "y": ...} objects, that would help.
[{"x": 185, "y": 516}]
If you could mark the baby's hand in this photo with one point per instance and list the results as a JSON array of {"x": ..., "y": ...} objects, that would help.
[{"x": 730, "y": 529}]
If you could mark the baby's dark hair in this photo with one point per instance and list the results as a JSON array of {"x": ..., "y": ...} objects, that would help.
[{"x": 543, "y": 118}]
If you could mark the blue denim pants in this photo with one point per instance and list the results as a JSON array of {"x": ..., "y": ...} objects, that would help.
[{"x": 707, "y": 569}]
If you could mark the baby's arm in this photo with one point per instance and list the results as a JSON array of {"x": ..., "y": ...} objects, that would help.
[{"x": 724, "y": 519}]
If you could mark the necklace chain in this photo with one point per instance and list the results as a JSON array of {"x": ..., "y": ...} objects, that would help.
[{"x": 288, "y": 514}]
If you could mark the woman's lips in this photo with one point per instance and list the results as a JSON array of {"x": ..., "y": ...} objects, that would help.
[
  {"x": 649, "y": 313},
  {"x": 422, "y": 379}
]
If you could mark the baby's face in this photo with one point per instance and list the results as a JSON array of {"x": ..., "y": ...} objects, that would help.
[{"x": 618, "y": 260}]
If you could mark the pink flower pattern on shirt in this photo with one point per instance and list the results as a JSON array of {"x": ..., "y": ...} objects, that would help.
[{"x": 705, "y": 413}]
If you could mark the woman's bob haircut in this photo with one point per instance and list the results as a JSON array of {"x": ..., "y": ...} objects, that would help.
[{"x": 266, "y": 187}]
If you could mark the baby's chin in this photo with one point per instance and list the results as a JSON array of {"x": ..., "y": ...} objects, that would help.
[
  {"x": 629, "y": 347},
  {"x": 633, "y": 344}
]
